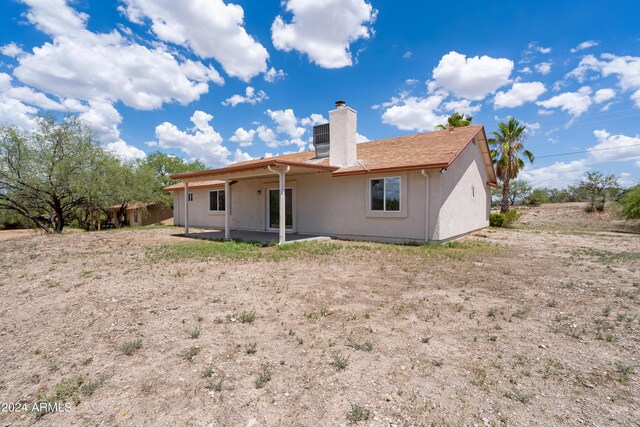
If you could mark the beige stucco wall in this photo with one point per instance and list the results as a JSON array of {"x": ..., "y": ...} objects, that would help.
[
  {"x": 338, "y": 206},
  {"x": 461, "y": 211}
]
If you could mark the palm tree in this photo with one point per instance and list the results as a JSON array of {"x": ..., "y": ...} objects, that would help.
[
  {"x": 456, "y": 120},
  {"x": 506, "y": 150}
]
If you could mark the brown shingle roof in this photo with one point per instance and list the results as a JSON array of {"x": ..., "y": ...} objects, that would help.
[{"x": 419, "y": 151}]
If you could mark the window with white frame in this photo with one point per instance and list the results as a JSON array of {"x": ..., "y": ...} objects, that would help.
[
  {"x": 216, "y": 201},
  {"x": 190, "y": 197},
  {"x": 385, "y": 194}
]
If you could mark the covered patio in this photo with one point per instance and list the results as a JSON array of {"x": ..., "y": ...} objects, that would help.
[
  {"x": 252, "y": 169},
  {"x": 264, "y": 237}
]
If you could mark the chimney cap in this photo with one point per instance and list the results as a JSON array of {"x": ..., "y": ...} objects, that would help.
[{"x": 340, "y": 104}]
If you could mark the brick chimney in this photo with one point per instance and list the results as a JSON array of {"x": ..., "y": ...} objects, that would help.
[{"x": 342, "y": 135}]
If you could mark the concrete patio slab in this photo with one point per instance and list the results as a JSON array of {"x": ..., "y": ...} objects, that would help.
[{"x": 263, "y": 237}]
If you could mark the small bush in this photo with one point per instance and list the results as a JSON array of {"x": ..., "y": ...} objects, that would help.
[
  {"x": 357, "y": 413},
  {"x": 131, "y": 347},
  {"x": 189, "y": 354},
  {"x": 505, "y": 219},
  {"x": 510, "y": 217},
  {"x": 247, "y": 317},
  {"x": 340, "y": 362},
  {"x": 263, "y": 378},
  {"x": 496, "y": 219}
]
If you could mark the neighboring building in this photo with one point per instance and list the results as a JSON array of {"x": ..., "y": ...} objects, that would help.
[
  {"x": 140, "y": 214},
  {"x": 425, "y": 187}
]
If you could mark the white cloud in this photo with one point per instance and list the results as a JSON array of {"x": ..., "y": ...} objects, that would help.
[
  {"x": 202, "y": 142},
  {"x": 534, "y": 47},
  {"x": 287, "y": 124},
  {"x": 268, "y": 136},
  {"x": 603, "y": 95},
  {"x": 14, "y": 108},
  {"x": 462, "y": 106},
  {"x": 313, "y": 120},
  {"x": 519, "y": 94},
  {"x": 361, "y": 138},
  {"x": 625, "y": 68},
  {"x": 289, "y": 130},
  {"x": 273, "y": 75},
  {"x": 471, "y": 78},
  {"x": 585, "y": 45},
  {"x": 12, "y": 50},
  {"x": 408, "y": 54},
  {"x": 38, "y": 99},
  {"x": 532, "y": 128},
  {"x": 525, "y": 70},
  {"x": 241, "y": 156},
  {"x": 557, "y": 175},
  {"x": 250, "y": 97},
  {"x": 625, "y": 179},
  {"x": 125, "y": 151},
  {"x": 210, "y": 28},
  {"x": 88, "y": 66},
  {"x": 243, "y": 137},
  {"x": 55, "y": 18},
  {"x": 413, "y": 113},
  {"x": 543, "y": 68},
  {"x": 104, "y": 119},
  {"x": 612, "y": 148},
  {"x": 139, "y": 77},
  {"x": 324, "y": 29},
  {"x": 15, "y": 113},
  {"x": 575, "y": 103}
]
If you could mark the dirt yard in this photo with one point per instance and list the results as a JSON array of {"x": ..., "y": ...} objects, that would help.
[{"x": 537, "y": 325}]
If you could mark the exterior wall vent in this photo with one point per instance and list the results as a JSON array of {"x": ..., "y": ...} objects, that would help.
[{"x": 321, "y": 140}]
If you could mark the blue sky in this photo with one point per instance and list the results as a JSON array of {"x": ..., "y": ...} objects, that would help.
[{"x": 227, "y": 81}]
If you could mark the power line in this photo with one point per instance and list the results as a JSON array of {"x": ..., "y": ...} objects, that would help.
[{"x": 587, "y": 151}]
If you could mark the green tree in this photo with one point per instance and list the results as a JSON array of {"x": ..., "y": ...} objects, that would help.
[
  {"x": 537, "y": 197},
  {"x": 44, "y": 173},
  {"x": 598, "y": 187},
  {"x": 115, "y": 183},
  {"x": 164, "y": 165},
  {"x": 631, "y": 203},
  {"x": 507, "y": 147},
  {"x": 519, "y": 190},
  {"x": 456, "y": 120}
]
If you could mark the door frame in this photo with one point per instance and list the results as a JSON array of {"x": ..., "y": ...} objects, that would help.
[{"x": 267, "y": 211}]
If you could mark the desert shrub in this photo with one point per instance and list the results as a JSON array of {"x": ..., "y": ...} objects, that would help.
[
  {"x": 496, "y": 220},
  {"x": 537, "y": 197},
  {"x": 631, "y": 203},
  {"x": 510, "y": 217}
]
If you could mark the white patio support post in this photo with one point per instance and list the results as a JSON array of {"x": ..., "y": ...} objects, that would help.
[
  {"x": 226, "y": 209},
  {"x": 186, "y": 208},
  {"x": 426, "y": 212},
  {"x": 282, "y": 191}
]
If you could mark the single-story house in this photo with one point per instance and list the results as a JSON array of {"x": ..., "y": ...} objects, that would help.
[
  {"x": 139, "y": 213},
  {"x": 428, "y": 187}
]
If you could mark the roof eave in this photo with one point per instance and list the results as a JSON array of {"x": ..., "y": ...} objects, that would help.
[
  {"x": 251, "y": 166},
  {"x": 392, "y": 169}
]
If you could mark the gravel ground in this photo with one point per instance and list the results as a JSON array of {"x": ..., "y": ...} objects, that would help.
[{"x": 536, "y": 325}]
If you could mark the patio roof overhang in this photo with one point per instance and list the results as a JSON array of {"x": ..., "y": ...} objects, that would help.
[{"x": 253, "y": 170}]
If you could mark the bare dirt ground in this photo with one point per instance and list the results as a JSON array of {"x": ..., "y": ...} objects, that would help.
[
  {"x": 537, "y": 325},
  {"x": 12, "y": 234}
]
